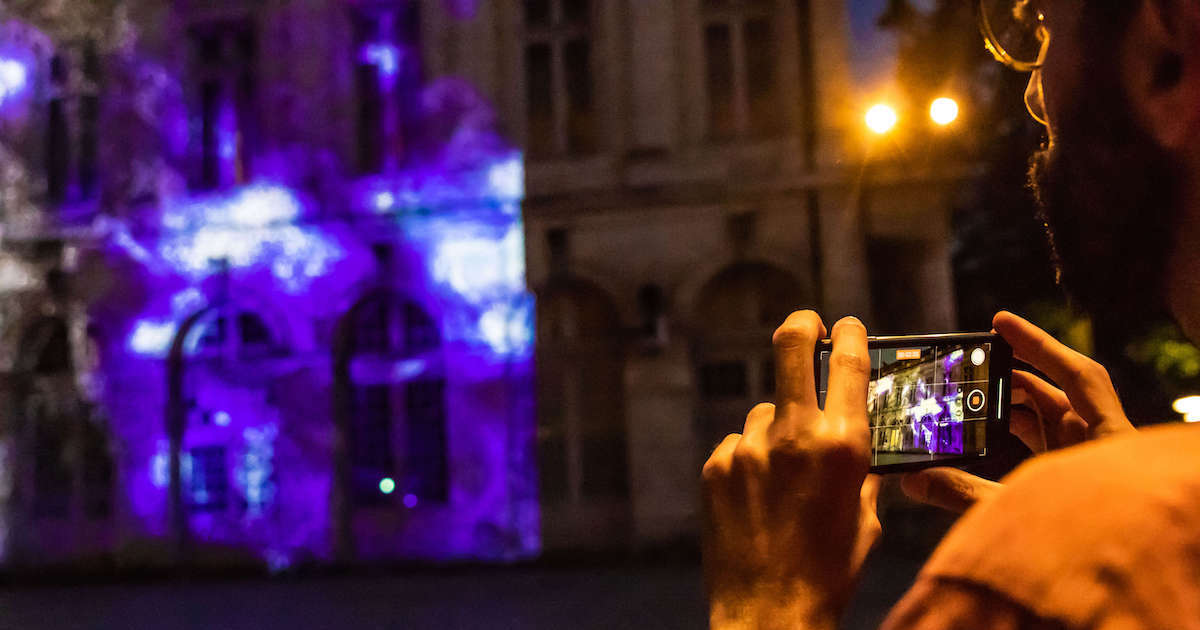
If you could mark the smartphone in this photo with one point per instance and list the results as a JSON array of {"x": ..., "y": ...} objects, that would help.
[{"x": 932, "y": 400}]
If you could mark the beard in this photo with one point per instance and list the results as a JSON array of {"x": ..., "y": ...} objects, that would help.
[{"x": 1107, "y": 194}]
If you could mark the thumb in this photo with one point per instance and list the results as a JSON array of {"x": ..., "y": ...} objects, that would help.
[{"x": 947, "y": 488}]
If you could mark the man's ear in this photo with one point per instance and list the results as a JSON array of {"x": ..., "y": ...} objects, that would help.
[{"x": 1160, "y": 69}]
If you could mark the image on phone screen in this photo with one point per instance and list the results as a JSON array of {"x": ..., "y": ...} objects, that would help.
[{"x": 927, "y": 402}]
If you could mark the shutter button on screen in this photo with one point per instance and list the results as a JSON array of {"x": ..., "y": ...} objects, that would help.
[{"x": 975, "y": 400}]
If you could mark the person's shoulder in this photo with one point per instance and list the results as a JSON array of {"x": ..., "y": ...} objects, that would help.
[
  {"x": 1088, "y": 527},
  {"x": 1166, "y": 451}
]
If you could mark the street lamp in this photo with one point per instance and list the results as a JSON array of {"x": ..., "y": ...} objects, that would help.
[
  {"x": 943, "y": 111},
  {"x": 1189, "y": 407},
  {"x": 881, "y": 118}
]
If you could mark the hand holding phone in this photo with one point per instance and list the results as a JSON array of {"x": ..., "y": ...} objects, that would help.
[
  {"x": 1043, "y": 416},
  {"x": 932, "y": 400}
]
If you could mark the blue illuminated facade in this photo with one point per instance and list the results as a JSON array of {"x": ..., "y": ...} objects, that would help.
[{"x": 286, "y": 337}]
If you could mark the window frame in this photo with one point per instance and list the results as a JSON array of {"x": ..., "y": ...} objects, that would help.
[
  {"x": 737, "y": 16},
  {"x": 574, "y": 127}
]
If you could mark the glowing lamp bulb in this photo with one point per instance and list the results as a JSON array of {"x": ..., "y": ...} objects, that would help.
[
  {"x": 387, "y": 485},
  {"x": 943, "y": 111},
  {"x": 881, "y": 118},
  {"x": 1189, "y": 406}
]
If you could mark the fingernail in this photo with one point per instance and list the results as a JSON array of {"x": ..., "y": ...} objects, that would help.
[{"x": 849, "y": 319}]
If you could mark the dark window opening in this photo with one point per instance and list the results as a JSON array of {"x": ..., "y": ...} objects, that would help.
[
  {"x": 539, "y": 86},
  {"x": 47, "y": 347},
  {"x": 208, "y": 483},
  {"x": 370, "y": 118},
  {"x": 372, "y": 327},
  {"x": 767, "y": 377},
  {"x": 97, "y": 473},
  {"x": 576, "y": 12},
  {"x": 253, "y": 330},
  {"x": 763, "y": 97},
  {"x": 425, "y": 469},
  {"x": 224, "y": 55},
  {"x": 210, "y": 111},
  {"x": 212, "y": 337},
  {"x": 88, "y": 141},
  {"x": 581, "y": 123},
  {"x": 552, "y": 468},
  {"x": 58, "y": 151},
  {"x": 537, "y": 12},
  {"x": 420, "y": 333},
  {"x": 605, "y": 470},
  {"x": 51, "y": 472},
  {"x": 718, "y": 54},
  {"x": 371, "y": 444},
  {"x": 247, "y": 331},
  {"x": 383, "y": 324},
  {"x": 208, "y": 48},
  {"x": 726, "y": 379},
  {"x": 552, "y": 438}
]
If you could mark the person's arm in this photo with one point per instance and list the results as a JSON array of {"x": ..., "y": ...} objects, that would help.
[
  {"x": 790, "y": 507},
  {"x": 1044, "y": 417}
]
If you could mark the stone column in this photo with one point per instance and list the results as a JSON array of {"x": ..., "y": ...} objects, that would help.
[{"x": 663, "y": 453}]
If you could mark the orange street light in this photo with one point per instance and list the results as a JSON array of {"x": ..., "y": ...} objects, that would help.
[
  {"x": 881, "y": 118},
  {"x": 943, "y": 111}
]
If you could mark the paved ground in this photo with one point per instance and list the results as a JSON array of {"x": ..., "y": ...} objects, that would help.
[
  {"x": 662, "y": 595},
  {"x": 640, "y": 596},
  {"x": 514, "y": 598}
]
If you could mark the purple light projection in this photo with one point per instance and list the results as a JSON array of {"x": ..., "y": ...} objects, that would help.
[
  {"x": 20, "y": 46},
  {"x": 250, "y": 284},
  {"x": 937, "y": 420}
]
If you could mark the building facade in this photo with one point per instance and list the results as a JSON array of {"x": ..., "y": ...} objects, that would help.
[
  {"x": 263, "y": 289},
  {"x": 263, "y": 281},
  {"x": 695, "y": 172}
]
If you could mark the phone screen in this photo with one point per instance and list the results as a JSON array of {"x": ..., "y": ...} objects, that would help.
[{"x": 930, "y": 401}]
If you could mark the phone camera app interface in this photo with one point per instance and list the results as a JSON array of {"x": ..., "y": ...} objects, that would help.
[{"x": 925, "y": 402}]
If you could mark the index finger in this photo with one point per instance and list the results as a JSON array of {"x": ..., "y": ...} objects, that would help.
[
  {"x": 795, "y": 379},
  {"x": 1085, "y": 382},
  {"x": 849, "y": 371}
]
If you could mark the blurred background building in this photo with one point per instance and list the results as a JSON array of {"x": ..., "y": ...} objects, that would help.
[
  {"x": 697, "y": 170},
  {"x": 268, "y": 269},
  {"x": 265, "y": 267},
  {"x": 263, "y": 288},
  {"x": 301, "y": 283}
]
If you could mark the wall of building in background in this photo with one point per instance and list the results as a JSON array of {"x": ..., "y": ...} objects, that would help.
[
  {"x": 262, "y": 290},
  {"x": 305, "y": 248},
  {"x": 695, "y": 173}
]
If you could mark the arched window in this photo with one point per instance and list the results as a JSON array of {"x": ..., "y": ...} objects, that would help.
[
  {"x": 581, "y": 410},
  {"x": 232, "y": 333},
  {"x": 394, "y": 377},
  {"x": 736, "y": 313},
  {"x": 227, "y": 348}
]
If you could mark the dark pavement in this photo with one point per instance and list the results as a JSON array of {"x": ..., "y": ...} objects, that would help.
[{"x": 639, "y": 596}]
